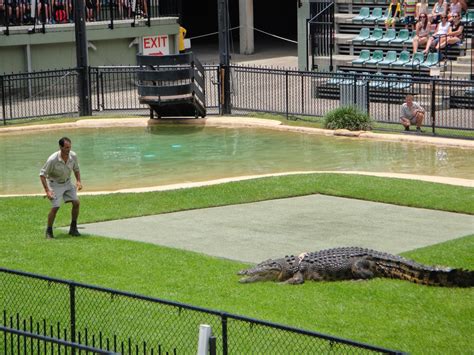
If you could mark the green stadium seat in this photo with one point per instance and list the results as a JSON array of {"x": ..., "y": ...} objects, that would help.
[
  {"x": 390, "y": 58},
  {"x": 416, "y": 60},
  {"x": 362, "y": 36},
  {"x": 376, "y": 35},
  {"x": 403, "y": 59},
  {"x": 381, "y": 20},
  {"x": 468, "y": 17},
  {"x": 470, "y": 91},
  {"x": 363, "y": 14},
  {"x": 402, "y": 36},
  {"x": 376, "y": 14},
  {"x": 409, "y": 41},
  {"x": 363, "y": 57},
  {"x": 389, "y": 36},
  {"x": 432, "y": 59},
  {"x": 377, "y": 56}
]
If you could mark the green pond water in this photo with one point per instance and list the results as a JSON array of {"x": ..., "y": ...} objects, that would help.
[{"x": 117, "y": 158}]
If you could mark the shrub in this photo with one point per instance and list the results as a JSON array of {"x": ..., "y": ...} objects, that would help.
[{"x": 348, "y": 117}]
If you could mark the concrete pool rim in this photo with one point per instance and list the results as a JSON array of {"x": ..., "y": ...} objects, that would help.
[{"x": 234, "y": 121}]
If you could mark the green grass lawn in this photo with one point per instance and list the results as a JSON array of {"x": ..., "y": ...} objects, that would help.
[{"x": 389, "y": 313}]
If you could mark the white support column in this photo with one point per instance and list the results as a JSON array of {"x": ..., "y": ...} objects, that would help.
[
  {"x": 205, "y": 332},
  {"x": 29, "y": 67},
  {"x": 246, "y": 26}
]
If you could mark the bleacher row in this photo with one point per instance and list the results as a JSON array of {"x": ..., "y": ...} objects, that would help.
[{"x": 389, "y": 50}]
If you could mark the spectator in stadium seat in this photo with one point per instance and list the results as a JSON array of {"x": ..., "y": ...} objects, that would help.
[
  {"x": 92, "y": 7},
  {"x": 455, "y": 7},
  {"x": 442, "y": 30},
  {"x": 412, "y": 113},
  {"x": 421, "y": 8},
  {"x": 43, "y": 6},
  {"x": 393, "y": 14},
  {"x": 409, "y": 7},
  {"x": 60, "y": 12},
  {"x": 13, "y": 11},
  {"x": 439, "y": 9},
  {"x": 2, "y": 13},
  {"x": 455, "y": 33},
  {"x": 423, "y": 28}
]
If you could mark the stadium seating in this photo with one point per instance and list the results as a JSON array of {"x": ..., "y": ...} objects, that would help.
[
  {"x": 376, "y": 35},
  {"x": 389, "y": 36},
  {"x": 403, "y": 59},
  {"x": 432, "y": 59},
  {"x": 363, "y": 57},
  {"x": 363, "y": 35},
  {"x": 389, "y": 58},
  {"x": 374, "y": 17},
  {"x": 363, "y": 14},
  {"x": 402, "y": 36},
  {"x": 416, "y": 60},
  {"x": 377, "y": 56}
]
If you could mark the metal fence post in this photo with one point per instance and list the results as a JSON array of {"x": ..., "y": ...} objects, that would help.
[
  {"x": 225, "y": 348},
  {"x": 286, "y": 94},
  {"x": 433, "y": 105},
  {"x": 72, "y": 311},
  {"x": 4, "y": 112}
]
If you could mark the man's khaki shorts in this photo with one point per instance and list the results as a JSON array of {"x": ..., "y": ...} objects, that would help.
[{"x": 65, "y": 191}]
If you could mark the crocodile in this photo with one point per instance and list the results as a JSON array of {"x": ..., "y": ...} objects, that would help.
[{"x": 354, "y": 263}]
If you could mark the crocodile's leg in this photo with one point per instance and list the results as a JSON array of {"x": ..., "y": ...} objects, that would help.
[
  {"x": 297, "y": 279},
  {"x": 363, "y": 269}
]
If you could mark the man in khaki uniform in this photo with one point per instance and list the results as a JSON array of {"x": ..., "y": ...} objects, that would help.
[{"x": 55, "y": 176}]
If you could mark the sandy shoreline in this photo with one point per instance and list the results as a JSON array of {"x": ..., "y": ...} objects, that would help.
[{"x": 233, "y": 121}]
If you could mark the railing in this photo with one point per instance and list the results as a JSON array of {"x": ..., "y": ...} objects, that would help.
[
  {"x": 17, "y": 341},
  {"x": 130, "y": 323},
  {"x": 305, "y": 95},
  {"x": 35, "y": 14}
]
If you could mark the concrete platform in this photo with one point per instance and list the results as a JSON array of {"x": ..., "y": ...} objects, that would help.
[{"x": 257, "y": 231}]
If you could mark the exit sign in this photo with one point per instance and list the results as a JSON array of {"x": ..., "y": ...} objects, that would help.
[{"x": 155, "y": 45}]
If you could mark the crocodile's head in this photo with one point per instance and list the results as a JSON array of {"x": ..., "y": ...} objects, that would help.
[{"x": 271, "y": 270}]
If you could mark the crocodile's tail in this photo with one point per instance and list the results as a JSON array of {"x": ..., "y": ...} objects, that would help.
[{"x": 427, "y": 275}]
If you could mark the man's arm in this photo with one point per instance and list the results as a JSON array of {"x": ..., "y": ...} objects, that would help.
[
  {"x": 77, "y": 174},
  {"x": 49, "y": 192}
]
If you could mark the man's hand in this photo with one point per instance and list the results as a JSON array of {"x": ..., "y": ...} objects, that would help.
[
  {"x": 78, "y": 185},
  {"x": 50, "y": 194}
]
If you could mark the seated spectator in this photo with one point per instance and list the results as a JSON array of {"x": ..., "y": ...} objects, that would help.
[
  {"x": 442, "y": 30},
  {"x": 3, "y": 14},
  {"x": 60, "y": 12},
  {"x": 423, "y": 29},
  {"x": 412, "y": 113},
  {"x": 393, "y": 14},
  {"x": 43, "y": 14},
  {"x": 455, "y": 7},
  {"x": 421, "y": 8},
  {"x": 439, "y": 9},
  {"x": 409, "y": 7},
  {"x": 92, "y": 7},
  {"x": 455, "y": 33}
]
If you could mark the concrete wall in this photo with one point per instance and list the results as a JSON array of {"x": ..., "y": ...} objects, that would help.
[
  {"x": 303, "y": 16},
  {"x": 56, "y": 49}
]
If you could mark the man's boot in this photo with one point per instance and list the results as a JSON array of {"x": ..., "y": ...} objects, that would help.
[
  {"x": 73, "y": 229},
  {"x": 49, "y": 233}
]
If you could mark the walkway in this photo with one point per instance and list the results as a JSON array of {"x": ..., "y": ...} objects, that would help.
[{"x": 254, "y": 232}]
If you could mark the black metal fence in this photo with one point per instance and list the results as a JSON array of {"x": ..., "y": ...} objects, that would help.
[
  {"x": 449, "y": 104},
  {"x": 133, "y": 324},
  {"x": 17, "y": 13}
]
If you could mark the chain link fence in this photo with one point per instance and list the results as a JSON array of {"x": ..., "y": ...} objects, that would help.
[
  {"x": 128, "y": 323},
  {"x": 449, "y": 104}
]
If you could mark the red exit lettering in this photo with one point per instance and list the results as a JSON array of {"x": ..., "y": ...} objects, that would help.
[{"x": 154, "y": 42}]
